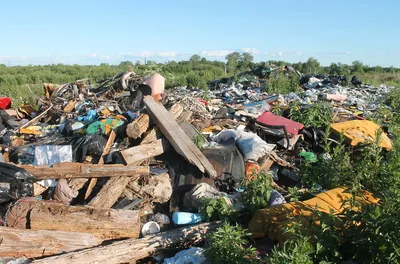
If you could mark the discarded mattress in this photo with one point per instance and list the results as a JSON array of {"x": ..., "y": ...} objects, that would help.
[
  {"x": 272, "y": 221},
  {"x": 360, "y": 131}
]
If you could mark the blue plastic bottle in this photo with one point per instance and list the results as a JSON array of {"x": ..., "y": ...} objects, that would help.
[{"x": 184, "y": 218}]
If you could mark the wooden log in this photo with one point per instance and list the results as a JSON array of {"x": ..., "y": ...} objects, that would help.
[
  {"x": 110, "y": 192},
  {"x": 78, "y": 170},
  {"x": 145, "y": 151},
  {"x": 138, "y": 126},
  {"x": 106, "y": 150},
  {"x": 38, "y": 243},
  {"x": 177, "y": 137},
  {"x": 103, "y": 223},
  {"x": 131, "y": 250}
]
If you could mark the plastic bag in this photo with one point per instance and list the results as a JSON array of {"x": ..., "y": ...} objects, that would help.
[
  {"x": 251, "y": 145},
  {"x": 14, "y": 182},
  {"x": 191, "y": 255},
  {"x": 51, "y": 154},
  {"x": 87, "y": 145}
]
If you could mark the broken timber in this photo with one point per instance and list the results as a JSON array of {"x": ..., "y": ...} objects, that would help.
[
  {"x": 130, "y": 250},
  {"x": 78, "y": 170},
  {"x": 138, "y": 126},
  {"x": 18, "y": 243},
  {"x": 177, "y": 137},
  {"x": 144, "y": 151},
  {"x": 102, "y": 223},
  {"x": 114, "y": 187}
]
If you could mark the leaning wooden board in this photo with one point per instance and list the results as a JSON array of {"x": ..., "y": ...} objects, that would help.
[{"x": 177, "y": 137}]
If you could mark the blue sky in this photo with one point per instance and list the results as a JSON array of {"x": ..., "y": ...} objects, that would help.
[{"x": 93, "y": 32}]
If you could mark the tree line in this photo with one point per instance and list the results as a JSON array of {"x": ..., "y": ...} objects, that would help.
[{"x": 195, "y": 72}]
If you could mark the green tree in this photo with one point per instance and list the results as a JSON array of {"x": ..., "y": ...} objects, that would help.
[
  {"x": 311, "y": 66},
  {"x": 232, "y": 62},
  {"x": 245, "y": 61},
  {"x": 357, "y": 66},
  {"x": 195, "y": 58},
  {"x": 126, "y": 64}
]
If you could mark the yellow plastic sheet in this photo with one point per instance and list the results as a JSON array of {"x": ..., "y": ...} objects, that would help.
[
  {"x": 271, "y": 221},
  {"x": 360, "y": 131}
]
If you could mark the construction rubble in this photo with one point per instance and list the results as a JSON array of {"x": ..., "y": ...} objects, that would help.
[{"x": 117, "y": 171}]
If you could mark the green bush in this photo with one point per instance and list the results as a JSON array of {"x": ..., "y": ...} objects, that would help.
[
  {"x": 315, "y": 115},
  {"x": 257, "y": 192},
  {"x": 228, "y": 245},
  {"x": 214, "y": 209}
]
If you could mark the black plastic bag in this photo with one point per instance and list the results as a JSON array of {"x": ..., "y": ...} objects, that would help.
[
  {"x": 87, "y": 145},
  {"x": 14, "y": 182}
]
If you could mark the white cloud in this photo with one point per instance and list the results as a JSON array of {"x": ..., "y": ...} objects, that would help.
[
  {"x": 253, "y": 51},
  {"x": 333, "y": 54},
  {"x": 215, "y": 53},
  {"x": 168, "y": 54},
  {"x": 270, "y": 54}
]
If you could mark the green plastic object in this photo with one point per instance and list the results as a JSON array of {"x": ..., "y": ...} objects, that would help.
[{"x": 309, "y": 156}]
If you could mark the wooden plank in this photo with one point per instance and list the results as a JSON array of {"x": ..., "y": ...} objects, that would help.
[
  {"x": 131, "y": 250},
  {"x": 102, "y": 223},
  {"x": 18, "y": 243},
  {"x": 145, "y": 151},
  {"x": 78, "y": 170},
  {"x": 177, "y": 137},
  {"x": 106, "y": 150},
  {"x": 177, "y": 113}
]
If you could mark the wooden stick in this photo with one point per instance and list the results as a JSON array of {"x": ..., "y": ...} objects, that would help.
[
  {"x": 106, "y": 150},
  {"x": 36, "y": 119},
  {"x": 131, "y": 250}
]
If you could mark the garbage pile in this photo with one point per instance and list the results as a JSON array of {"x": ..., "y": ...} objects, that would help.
[{"x": 120, "y": 170}]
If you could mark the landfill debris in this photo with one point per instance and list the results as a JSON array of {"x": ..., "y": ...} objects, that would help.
[
  {"x": 150, "y": 228},
  {"x": 191, "y": 255},
  {"x": 271, "y": 221},
  {"x": 123, "y": 157},
  {"x": 185, "y": 218},
  {"x": 361, "y": 131}
]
